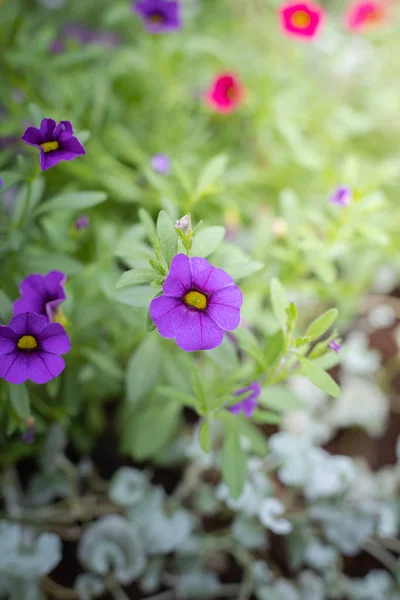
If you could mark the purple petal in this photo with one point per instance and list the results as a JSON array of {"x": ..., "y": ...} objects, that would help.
[
  {"x": 63, "y": 132},
  {"x": 198, "y": 332},
  {"x": 44, "y": 366},
  {"x": 54, "y": 339},
  {"x": 168, "y": 314},
  {"x": 224, "y": 307},
  {"x": 248, "y": 406},
  {"x": 32, "y": 136},
  {"x": 14, "y": 367},
  {"x": 33, "y": 293},
  {"x": 72, "y": 148},
  {"x": 8, "y": 340},
  {"x": 179, "y": 280},
  {"x": 207, "y": 278},
  {"x": 47, "y": 127},
  {"x": 50, "y": 159},
  {"x": 28, "y": 324}
]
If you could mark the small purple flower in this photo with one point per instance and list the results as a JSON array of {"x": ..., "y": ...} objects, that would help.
[
  {"x": 57, "y": 47},
  {"x": 55, "y": 142},
  {"x": 29, "y": 434},
  {"x": 41, "y": 294},
  {"x": 160, "y": 163},
  {"x": 159, "y": 16},
  {"x": 81, "y": 223},
  {"x": 199, "y": 302},
  {"x": 341, "y": 196},
  {"x": 335, "y": 346},
  {"x": 30, "y": 348},
  {"x": 248, "y": 405}
]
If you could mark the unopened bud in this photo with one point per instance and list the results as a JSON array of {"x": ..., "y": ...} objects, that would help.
[{"x": 185, "y": 224}]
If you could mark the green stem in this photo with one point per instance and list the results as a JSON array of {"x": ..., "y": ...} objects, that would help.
[{"x": 115, "y": 589}]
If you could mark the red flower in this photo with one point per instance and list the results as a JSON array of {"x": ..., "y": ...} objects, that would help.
[
  {"x": 225, "y": 94},
  {"x": 301, "y": 19}
]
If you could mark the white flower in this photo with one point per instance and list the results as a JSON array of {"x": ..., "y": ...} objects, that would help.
[
  {"x": 307, "y": 391},
  {"x": 361, "y": 403},
  {"x": 328, "y": 475},
  {"x": 381, "y": 317},
  {"x": 269, "y": 512},
  {"x": 359, "y": 359}
]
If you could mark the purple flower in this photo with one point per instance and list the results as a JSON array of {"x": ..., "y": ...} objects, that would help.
[
  {"x": 57, "y": 47},
  {"x": 29, "y": 434},
  {"x": 341, "y": 196},
  {"x": 30, "y": 349},
  {"x": 159, "y": 16},
  {"x": 160, "y": 163},
  {"x": 199, "y": 302},
  {"x": 41, "y": 294},
  {"x": 81, "y": 223},
  {"x": 335, "y": 346},
  {"x": 56, "y": 142},
  {"x": 248, "y": 405}
]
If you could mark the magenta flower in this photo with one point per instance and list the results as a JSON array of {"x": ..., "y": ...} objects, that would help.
[
  {"x": 160, "y": 163},
  {"x": 301, "y": 19},
  {"x": 159, "y": 16},
  {"x": 41, "y": 294},
  {"x": 81, "y": 223},
  {"x": 199, "y": 302},
  {"x": 55, "y": 142},
  {"x": 248, "y": 405},
  {"x": 335, "y": 346},
  {"x": 30, "y": 348},
  {"x": 341, "y": 196},
  {"x": 362, "y": 15},
  {"x": 225, "y": 94}
]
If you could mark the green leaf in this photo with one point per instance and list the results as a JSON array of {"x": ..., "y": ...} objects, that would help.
[
  {"x": 73, "y": 201},
  {"x": 279, "y": 302},
  {"x": 142, "y": 369},
  {"x": 36, "y": 113},
  {"x": 19, "y": 398},
  {"x": 322, "y": 324},
  {"x": 148, "y": 224},
  {"x": 319, "y": 377},
  {"x": 211, "y": 173},
  {"x": 10, "y": 178},
  {"x": 135, "y": 277},
  {"x": 269, "y": 418},
  {"x": 233, "y": 460},
  {"x": 205, "y": 437},
  {"x": 249, "y": 344},
  {"x": 105, "y": 363},
  {"x": 273, "y": 347},
  {"x": 150, "y": 325},
  {"x": 43, "y": 263},
  {"x": 147, "y": 430},
  {"x": 178, "y": 396},
  {"x": 325, "y": 271},
  {"x": 199, "y": 391},
  {"x": 138, "y": 297},
  {"x": 291, "y": 313},
  {"x": 280, "y": 398},
  {"x": 167, "y": 236},
  {"x": 254, "y": 435},
  {"x": 207, "y": 241},
  {"x": 5, "y": 307}
]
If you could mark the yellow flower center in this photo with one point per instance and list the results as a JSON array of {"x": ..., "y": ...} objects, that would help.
[
  {"x": 301, "y": 19},
  {"x": 50, "y": 146},
  {"x": 231, "y": 92},
  {"x": 27, "y": 342},
  {"x": 196, "y": 300},
  {"x": 157, "y": 18}
]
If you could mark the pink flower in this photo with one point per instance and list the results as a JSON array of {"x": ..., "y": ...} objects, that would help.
[
  {"x": 301, "y": 19},
  {"x": 225, "y": 94},
  {"x": 361, "y": 15}
]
